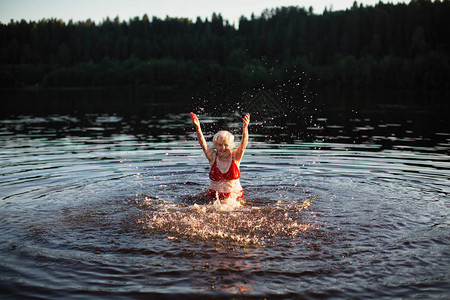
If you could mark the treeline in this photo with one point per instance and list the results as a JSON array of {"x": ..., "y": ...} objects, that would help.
[{"x": 386, "y": 45}]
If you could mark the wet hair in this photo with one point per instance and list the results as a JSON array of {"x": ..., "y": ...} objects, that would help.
[{"x": 227, "y": 136}]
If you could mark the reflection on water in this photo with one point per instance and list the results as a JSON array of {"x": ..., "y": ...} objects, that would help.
[
  {"x": 402, "y": 121},
  {"x": 95, "y": 204}
]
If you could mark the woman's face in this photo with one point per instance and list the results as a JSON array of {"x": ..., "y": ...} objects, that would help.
[{"x": 222, "y": 147}]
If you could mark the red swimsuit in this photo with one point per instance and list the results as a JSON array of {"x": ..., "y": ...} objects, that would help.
[
  {"x": 215, "y": 174},
  {"x": 232, "y": 173}
]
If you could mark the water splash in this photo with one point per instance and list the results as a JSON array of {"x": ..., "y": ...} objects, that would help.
[
  {"x": 229, "y": 221},
  {"x": 228, "y": 204}
]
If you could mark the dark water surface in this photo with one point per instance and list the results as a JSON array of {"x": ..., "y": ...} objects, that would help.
[{"x": 96, "y": 201}]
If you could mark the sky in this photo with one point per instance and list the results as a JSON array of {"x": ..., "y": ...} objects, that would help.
[{"x": 99, "y": 10}]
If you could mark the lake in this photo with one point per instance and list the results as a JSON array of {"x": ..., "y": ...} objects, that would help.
[{"x": 346, "y": 197}]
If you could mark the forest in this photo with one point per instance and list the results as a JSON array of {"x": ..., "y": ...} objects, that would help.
[{"x": 401, "y": 46}]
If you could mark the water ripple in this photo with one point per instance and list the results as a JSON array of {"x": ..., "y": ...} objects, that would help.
[{"x": 92, "y": 213}]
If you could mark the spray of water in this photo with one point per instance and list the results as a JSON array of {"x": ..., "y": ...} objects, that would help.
[
  {"x": 226, "y": 221},
  {"x": 280, "y": 110}
]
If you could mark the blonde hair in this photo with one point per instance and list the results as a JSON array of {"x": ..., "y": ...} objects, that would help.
[{"x": 225, "y": 135}]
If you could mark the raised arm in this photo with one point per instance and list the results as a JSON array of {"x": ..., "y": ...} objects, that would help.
[
  {"x": 239, "y": 152},
  {"x": 201, "y": 139}
]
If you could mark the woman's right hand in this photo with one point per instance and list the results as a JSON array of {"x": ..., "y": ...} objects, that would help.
[{"x": 195, "y": 119}]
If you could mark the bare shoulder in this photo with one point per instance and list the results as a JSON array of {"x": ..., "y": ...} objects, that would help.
[
  {"x": 238, "y": 153},
  {"x": 210, "y": 154}
]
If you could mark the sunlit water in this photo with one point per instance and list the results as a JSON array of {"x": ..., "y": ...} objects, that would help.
[{"x": 91, "y": 213}]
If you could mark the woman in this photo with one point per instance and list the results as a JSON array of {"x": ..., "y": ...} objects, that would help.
[{"x": 224, "y": 161}]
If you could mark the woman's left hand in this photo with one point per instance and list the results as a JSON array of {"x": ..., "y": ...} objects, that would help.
[{"x": 246, "y": 120}]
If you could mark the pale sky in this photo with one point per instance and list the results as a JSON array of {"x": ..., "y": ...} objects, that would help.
[{"x": 98, "y": 10}]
